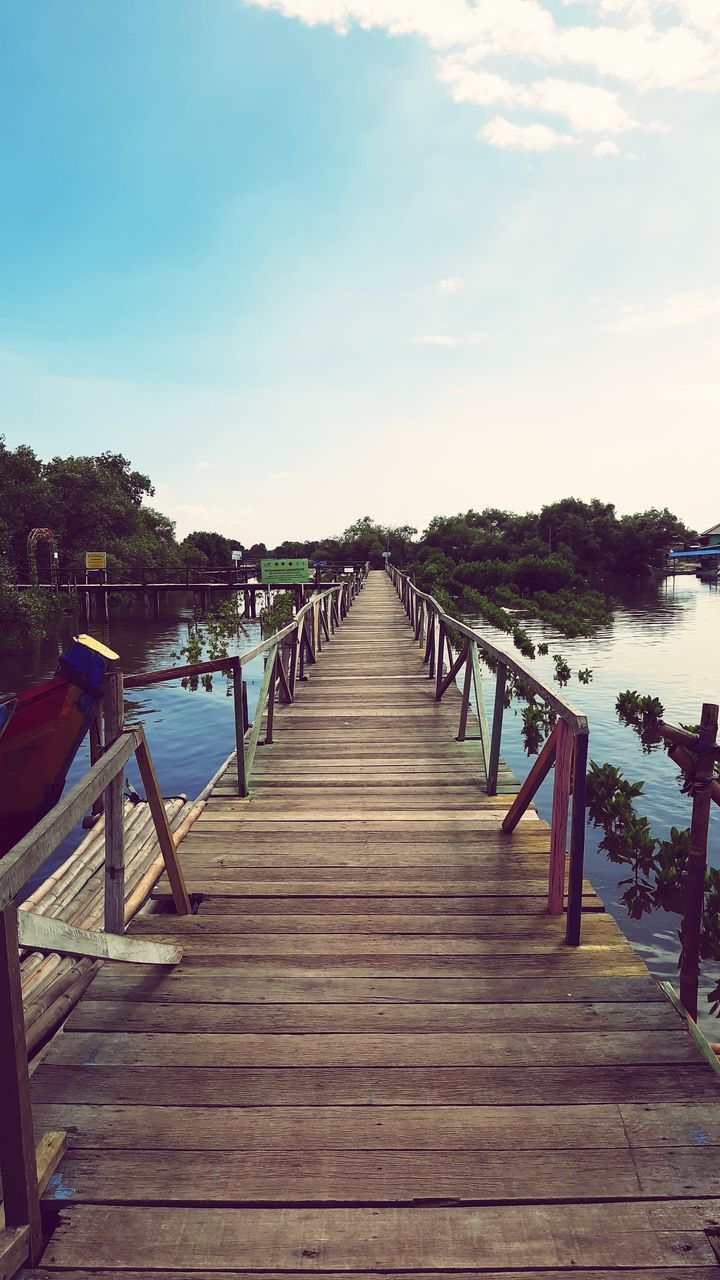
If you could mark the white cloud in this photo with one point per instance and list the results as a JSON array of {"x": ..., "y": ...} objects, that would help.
[
  {"x": 203, "y": 466},
  {"x": 518, "y": 137},
  {"x": 587, "y": 108},
  {"x": 636, "y": 45},
  {"x": 281, "y": 475},
  {"x": 678, "y": 311},
  {"x": 606, "y": 148},
  {"x": 451, "y": 340},
  {"x": 451, "y": 284}
]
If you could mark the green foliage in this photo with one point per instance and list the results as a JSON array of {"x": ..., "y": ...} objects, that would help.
[
  {"x": 208, "y": 639},
  {"x": 277, "y": 614},
  {"x": 562, "y": 669},
  {"x": 658, "y": 867},
  {"x": 585, "y": 675},
  {"x": 641, "y": 713},
  {"x": 542, "y": 565},
  {"x": 538, "y": 721}
]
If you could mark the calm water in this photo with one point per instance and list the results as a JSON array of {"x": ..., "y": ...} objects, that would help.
[{"x": 663, "y": 641}]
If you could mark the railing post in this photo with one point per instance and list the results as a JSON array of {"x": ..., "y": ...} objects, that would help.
[
  {"x": 271, "y": 700},
  {"x": 465, "y": 699},
  {"x": 17, "y": 1146},
  {"x": 96, "y": 750},
  {"x": 558, "y": 826},
  {"x": 292, "y": 676},
  {"x": 239, "y": 708},
  {"x": 499, "y": 708},
  {"x": 577, "y": 842},
  {"x": 439, "y": 660},
  {"x": 697, "y": 860},
  {"x": 113, "y": 714}
]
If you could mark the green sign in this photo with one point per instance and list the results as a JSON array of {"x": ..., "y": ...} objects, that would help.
[{"x": 284, "y": 571}]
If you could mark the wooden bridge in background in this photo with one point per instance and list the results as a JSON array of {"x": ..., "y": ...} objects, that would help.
[{"x": 383, "y": 1050}]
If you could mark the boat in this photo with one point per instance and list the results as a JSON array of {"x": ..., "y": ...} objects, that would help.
[{"x": 41, "y": 731}]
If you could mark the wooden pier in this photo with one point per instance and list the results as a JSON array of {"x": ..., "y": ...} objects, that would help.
[{"x": 378, "y": 1053}]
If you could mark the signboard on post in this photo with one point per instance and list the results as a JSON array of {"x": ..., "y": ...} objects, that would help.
[
  {"x": 284, "y": 571},
  {"x": 96, "y": 560},
  {"x": 237, "y": 555}
]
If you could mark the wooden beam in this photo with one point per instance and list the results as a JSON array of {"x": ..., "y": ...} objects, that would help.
[
  {"x": 13, "y": 1250},
  {"x": 560, "y": 809},
  {"x": 43, "y": 933},
  {"x": 697, "y": 860},
  {"x": 162, "y": 827},
  {"x": 17, "y": 1144},
  {"x": 113, "y": 715},
  {"x": 536, "y": 776},
  {"x": 254, "y": 734},
  {"x": 456, "y": 666}
]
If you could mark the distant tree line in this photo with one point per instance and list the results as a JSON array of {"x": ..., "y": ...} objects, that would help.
[{"x": 548, "y": 564}]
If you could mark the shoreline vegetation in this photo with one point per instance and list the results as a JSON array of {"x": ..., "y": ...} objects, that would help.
[{"x": 551, "y": 566}]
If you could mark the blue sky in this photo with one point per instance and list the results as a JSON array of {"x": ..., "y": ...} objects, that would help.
[{"x": 306, "y": 259}]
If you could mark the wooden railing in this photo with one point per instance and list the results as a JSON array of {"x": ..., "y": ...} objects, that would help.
[
  {"x": 695, "y": 754},
  {"x": 287, "y": 654},
  {"x": 566, "y": 749}
]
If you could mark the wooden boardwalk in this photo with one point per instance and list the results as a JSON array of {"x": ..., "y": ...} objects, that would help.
[{"x": 378, "y": 1054}]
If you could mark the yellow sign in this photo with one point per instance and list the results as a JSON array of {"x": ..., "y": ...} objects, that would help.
[{"x": 96, "y": 560}]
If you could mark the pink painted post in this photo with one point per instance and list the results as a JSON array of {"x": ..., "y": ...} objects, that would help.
[{"x": 560, "y": 806}]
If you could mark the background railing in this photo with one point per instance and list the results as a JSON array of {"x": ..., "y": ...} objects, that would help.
[
  {"x": 566, "y": 749},
  {"x": 288, "y": 652}
]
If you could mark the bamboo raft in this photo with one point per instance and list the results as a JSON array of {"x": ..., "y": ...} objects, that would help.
[{"x": 52, "y": 983}]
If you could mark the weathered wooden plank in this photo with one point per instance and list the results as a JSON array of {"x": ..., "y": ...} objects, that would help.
[
  {"x": 361, "y": 1128},
  {"x": 364, "y": 928},
  {"x": 595, "y": 1235},
  {"x": 296, "y": 1177},
  {"x": 179, "y": 985},
  {"x": 396, "y": 1049},
  {"x": 689, "y": 1272},
  {"x": 150, "y": 1016},
  {"x": 356, "y": 1086},
  {"x": 43, "y": 933}
]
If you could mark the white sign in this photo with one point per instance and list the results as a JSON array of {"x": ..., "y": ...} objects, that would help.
[{"x": 237, "y": 555}]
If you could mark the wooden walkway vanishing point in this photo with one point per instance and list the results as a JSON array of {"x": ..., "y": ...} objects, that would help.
[{"x": 378, "y": 1054}]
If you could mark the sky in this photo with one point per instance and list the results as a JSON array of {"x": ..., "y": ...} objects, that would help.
[{"x": 307, "y": 260}]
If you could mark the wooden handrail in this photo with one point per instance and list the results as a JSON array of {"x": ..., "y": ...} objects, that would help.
[
  {"x": 564, "y": 708},
  {"x": 567, "y": 743}
]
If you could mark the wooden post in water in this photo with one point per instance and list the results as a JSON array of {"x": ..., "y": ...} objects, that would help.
[
  {"x": 697, "y": 859},
  {"x": 113, "y": 714}
]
